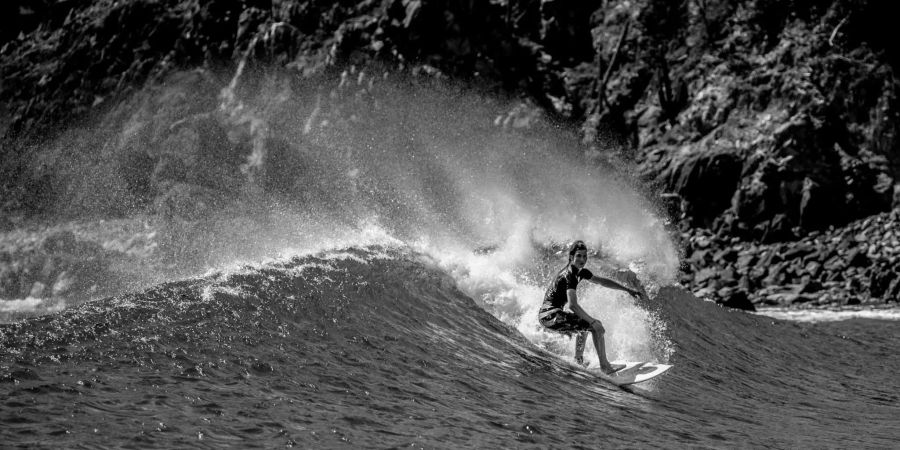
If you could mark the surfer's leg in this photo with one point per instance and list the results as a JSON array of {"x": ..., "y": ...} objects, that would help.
[
  {"x": 600, "y": 346},
  {"x": 580, "y": 340}
]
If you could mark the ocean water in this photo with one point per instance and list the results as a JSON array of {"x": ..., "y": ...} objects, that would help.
[
  {"x": 386, "y": 346},
  {"x": 389, "y": 299}
]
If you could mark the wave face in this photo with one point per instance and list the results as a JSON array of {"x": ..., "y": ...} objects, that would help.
[{"x": 379, "y": 345}]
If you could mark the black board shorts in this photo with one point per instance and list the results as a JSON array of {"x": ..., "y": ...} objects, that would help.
[{"x": 563, "y": 321}]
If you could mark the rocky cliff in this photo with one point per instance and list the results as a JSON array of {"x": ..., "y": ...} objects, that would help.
[{"x": 766, "y": 130}]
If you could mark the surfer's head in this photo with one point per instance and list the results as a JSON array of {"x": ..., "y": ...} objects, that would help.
[{"x": 578, "y": 253}]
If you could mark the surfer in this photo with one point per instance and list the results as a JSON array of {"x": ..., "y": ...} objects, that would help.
[{"x": 562, "y": 291}]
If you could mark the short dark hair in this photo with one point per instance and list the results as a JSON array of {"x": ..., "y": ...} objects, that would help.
[{"x": 576, "y": 246}]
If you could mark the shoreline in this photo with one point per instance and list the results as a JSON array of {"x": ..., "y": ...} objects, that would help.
[
  {"x": 836, "y": 267},
  {"x": 867, "y": 312}
]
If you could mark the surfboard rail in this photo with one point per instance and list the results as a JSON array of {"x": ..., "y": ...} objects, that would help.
[{"x": 634, "y": 372}]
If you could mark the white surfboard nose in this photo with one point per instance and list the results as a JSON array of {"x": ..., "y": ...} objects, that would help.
[{"x": 634, "y": 372}]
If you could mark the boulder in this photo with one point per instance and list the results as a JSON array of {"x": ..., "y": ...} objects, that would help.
[
  {"x": 735, "y": 298},
  {"x": 857, "y": 258},
  {"x": 705, "y": 177},
  {"x": 706, "y": 275},
  {"x": 810, "y": 287}
]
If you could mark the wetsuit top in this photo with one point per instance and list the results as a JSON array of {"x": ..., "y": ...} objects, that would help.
[{"x": 566, "y": 279}]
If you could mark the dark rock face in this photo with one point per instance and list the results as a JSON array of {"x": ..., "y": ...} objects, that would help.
[
  {"x": 760, "y": 122},
  {"x": 566, "y": 30},
  {"x": 706, "y": 181}
]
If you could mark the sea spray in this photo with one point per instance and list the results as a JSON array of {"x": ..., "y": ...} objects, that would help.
[{"x": 269, "y": 166}]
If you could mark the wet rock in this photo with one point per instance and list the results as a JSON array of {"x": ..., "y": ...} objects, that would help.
[
  {"x": 857, "y": 258},
  {"x": 706, "y": 275},
  {"x": 701, "y": 258},
  {"x": 706, "y": 292},
  {"x": 801, "y": 299},
  {"x": 893, "y": 291},
  {"x": 810, "y": 287},
  {"x": 726, "y": 255},
  {"x": 834, "y": 264},
  {"x": 782, "y": 298},
  {"x": 728, "y": 276},
  {"x": 881, "y": 280},
  {"x": 798, "y": 251},
  {"x": 815, "y": 270},
  {"x": 705, "y": 180},
  {"x": 747, "y": 259},
  {"x": 735, "y": 298}
]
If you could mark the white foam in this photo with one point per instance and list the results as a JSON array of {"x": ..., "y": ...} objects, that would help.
[
  {"x": 831, "y": 315},
  {"x": 501, "y": 282},
  {"x": 32, "y": 304},
  {"x": 208, "y": 292}
]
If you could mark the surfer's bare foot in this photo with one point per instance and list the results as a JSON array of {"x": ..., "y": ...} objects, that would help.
[
  {"x": 612, "y": 368},
  {"x": 581, "y": 362}
]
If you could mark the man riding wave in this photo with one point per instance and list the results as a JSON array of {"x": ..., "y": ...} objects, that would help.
[{"x": 577, "y": 321}]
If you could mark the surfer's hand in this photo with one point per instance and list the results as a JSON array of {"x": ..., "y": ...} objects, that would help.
[{"x": 636, "y": 294}]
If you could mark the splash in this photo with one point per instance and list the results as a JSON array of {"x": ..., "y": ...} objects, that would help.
[
  {"x": 271, "y": 166},
  {"x": 815, "y": 316}
]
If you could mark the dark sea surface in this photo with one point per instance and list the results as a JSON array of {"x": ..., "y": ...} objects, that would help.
[
  {"x": 384, "y": 346},
  {"x": 392, "y": 302}
]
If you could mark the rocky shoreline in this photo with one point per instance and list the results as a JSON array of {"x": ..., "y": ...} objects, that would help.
[{"x": 853, "y": 265}]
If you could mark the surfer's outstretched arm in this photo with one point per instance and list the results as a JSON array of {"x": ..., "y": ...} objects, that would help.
[{"x": 613, "y": 284}]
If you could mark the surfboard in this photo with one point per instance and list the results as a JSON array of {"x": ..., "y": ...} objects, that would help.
[{"x": 634, "y": 372}]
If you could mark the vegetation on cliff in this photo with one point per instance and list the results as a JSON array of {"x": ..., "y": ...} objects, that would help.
[{"x": 755, "y": 121}]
